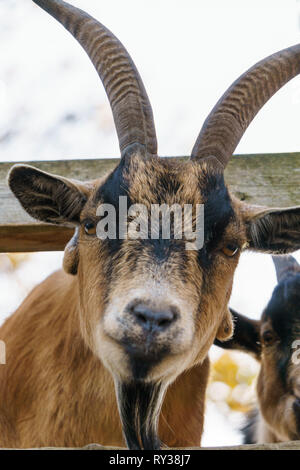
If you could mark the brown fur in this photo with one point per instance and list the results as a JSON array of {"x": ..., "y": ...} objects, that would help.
[{"x": 55, "y": 392}]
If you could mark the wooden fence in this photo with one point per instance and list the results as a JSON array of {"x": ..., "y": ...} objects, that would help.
[
  {"x": 290, "y": 445},
  {"x": 267, "y": 179}
]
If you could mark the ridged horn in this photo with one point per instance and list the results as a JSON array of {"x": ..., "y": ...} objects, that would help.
[
  {"x": 130, "y": 105},
  {"x": 284, "y": 265},
  {"x": 229, "y": 119}
]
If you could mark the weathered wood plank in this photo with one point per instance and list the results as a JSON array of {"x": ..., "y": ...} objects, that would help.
[
  {"x": 29, "y": 238},
  {"x": 267, "y": 179}
]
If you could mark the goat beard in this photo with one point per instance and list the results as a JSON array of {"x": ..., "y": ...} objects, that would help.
[{"x": 139, "y": 407}]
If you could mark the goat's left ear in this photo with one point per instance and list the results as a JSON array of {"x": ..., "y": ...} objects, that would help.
[
  {"x": 272, "y": 230},
  {"x": 46, "y": 197},
  {"x": 225, "y": 330}
]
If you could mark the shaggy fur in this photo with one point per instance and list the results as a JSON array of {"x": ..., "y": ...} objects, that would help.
[{"x": 55, "y": 391}]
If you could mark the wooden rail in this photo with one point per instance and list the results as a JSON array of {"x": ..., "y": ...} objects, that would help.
[
  {"x": 267, "y": 179},
  {"x": 290, "y": 445}
]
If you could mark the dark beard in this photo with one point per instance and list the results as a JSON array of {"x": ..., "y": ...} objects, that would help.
[{"x": 139, "y": 406}]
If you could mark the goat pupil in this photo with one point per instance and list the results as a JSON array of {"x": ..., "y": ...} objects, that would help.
[
  {"x": 89, "y": 228},
  {"x": 230, "y": 250},
  {"x": 268, "y": 337}
]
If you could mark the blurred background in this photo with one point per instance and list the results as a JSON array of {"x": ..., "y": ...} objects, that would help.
[{"x": 52, "y": 106}]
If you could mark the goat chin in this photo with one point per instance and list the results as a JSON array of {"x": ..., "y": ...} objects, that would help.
[
  {"x": 140, "y": 400},
  {"x": 139, "y": 406},
  {"x": 140, "y": 395}
]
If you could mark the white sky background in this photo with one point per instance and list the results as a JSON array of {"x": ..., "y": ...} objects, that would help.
[
  {"x": 188, "y": 53},
  {"x": 53, "y": 106}
]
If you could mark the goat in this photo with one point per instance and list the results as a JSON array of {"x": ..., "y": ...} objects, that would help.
[
  {"x": 134, "y": 315},
  {"x": 274, "y": 341}
]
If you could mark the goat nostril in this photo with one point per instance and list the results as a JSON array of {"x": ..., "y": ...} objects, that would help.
[
  {"x": 165, "y": 318},
  {"x": 153, "y": 319},
  {"x": 142, "y": 318},
  {"x": 163, "y": 322}
]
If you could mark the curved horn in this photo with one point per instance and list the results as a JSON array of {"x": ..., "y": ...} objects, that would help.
[
  {"x": 284, "y": 265},
  {"x": 125, "y": 90},
  {"x": 229, "y": 119}
]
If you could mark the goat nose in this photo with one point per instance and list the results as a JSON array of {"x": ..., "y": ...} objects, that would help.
[{"x": 152, "y": 320}]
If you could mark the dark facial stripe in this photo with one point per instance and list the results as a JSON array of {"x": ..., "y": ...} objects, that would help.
[
  {"x": 116, "y": 185},
  {"x": 217, "y": 208},
  {"x": 139, "y": 405},
  {"x": 113, "y": 187},
  {"x": 218, "y": 212},
  {"x": 283, "y": 362}
]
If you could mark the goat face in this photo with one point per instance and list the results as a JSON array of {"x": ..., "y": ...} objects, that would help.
[
  {"x": 160, "y": 305},
  {"x": 275, "y": 340},
  {"x": 279, "y": 379},
  {"x": 149, "y": 307}
]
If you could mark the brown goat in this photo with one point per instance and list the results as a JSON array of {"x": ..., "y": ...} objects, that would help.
[
  {"x": 136, "y": 315},
  {"x": 274, "y": 341}
]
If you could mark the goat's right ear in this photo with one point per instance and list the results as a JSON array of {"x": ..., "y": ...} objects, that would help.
[
  {"x": 245, "y": 336},
  {"x": 46, "y": 197}
]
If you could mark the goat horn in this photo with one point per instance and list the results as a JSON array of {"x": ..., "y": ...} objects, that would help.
[
  {"x": 130, "y": 105},
  {"x": 284, "y": 265},
  {"x": 229, "y": 119}
]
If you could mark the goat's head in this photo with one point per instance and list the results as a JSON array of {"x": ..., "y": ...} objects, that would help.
[
  {"x": 150, "y": 308},
  {"x": 275, "y": 342}
]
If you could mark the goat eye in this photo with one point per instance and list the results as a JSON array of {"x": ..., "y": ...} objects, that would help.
[
  {"x": 230, "y": 250},
  {"x": 268, "y": 338},
  {"x": 90, "y": 227}
]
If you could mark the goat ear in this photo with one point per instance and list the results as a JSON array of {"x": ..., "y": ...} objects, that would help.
[
  {"x": 46, "y": 197},
  {"x": 274, "y": 231},
  {"x": 225, "y": 330},
  {"x": 71, "y": 255},
  {"x": 245, "y": 336}
]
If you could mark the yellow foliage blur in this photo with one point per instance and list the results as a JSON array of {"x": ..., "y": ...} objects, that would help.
[
  {"x": 225, "y": 369},
  {"x": 11, "y": 261},
  {"x": 232, "y": 382}
]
